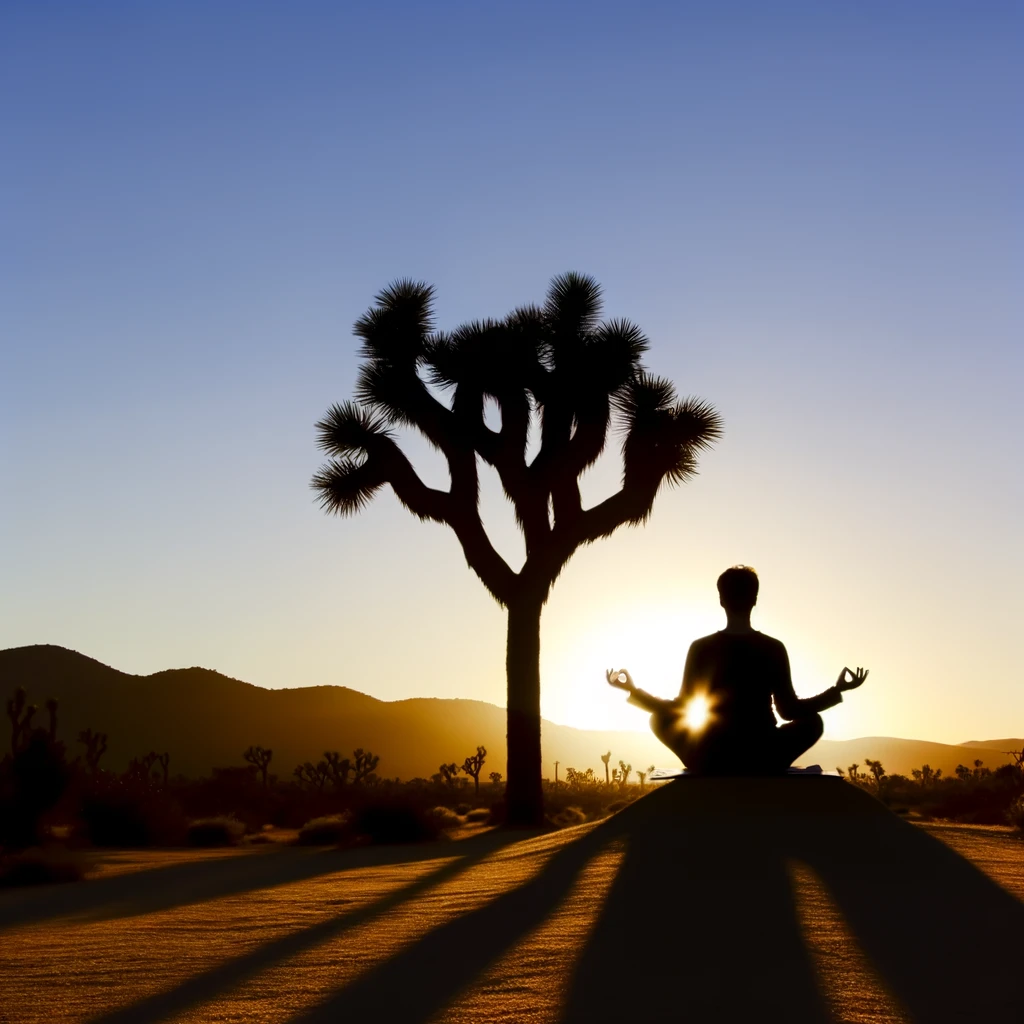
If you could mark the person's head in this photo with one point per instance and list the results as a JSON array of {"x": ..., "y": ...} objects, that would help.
[{"x": 737, "y": 589}]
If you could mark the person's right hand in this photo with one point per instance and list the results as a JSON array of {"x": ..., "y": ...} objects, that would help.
[
  {"x": 855, "y": 679},
  {"x": 620, "y": 679}
]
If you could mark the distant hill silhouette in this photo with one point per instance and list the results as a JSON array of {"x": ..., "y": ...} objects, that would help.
[{"x": 206, "y": 720}]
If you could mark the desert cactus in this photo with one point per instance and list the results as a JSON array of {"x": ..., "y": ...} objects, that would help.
[
  {"x": 606, "y": 758},
  {"x": 624, "y": 770},
  {"x": 449, "y": 772},
  {"x": 472, "y": 765},
  {"x": 259, "y": 758}
]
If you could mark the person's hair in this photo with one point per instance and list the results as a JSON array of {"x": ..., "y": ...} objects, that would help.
[{"x": 737, "y": 588}]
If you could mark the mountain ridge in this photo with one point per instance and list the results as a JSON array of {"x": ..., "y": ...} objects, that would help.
[{"x": 206, "y": 719}]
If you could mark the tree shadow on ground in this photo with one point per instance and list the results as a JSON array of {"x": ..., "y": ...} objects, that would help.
[
  {"x": 215, "y": 982},
  {"x": 700, "y": 922},
  {"x": 179, "y": 885}
]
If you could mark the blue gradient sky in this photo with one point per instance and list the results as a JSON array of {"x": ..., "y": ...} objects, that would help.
[{"x": 813, "y": 209}]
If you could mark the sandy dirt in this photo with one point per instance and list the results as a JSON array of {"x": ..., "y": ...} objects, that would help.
[{"x": 823, "y": 908}]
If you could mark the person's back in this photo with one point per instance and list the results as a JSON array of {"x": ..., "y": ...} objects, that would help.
[{"x": 738, "y": 673}]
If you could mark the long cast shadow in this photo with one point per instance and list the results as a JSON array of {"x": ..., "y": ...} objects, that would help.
[
  {"x": 700, "y": 921},
  {"x": 219, "y": 980},
  {"x": 158, "y": 889}
]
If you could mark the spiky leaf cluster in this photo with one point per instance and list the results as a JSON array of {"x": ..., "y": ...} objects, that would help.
[{"x": 558, "y": 361}]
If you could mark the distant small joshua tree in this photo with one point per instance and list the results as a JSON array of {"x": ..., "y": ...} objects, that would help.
[
  {"x": 495, "y": 778},
  {"x": 51, "y": 709},
  {"x": 449, "y": 772},
  {"x": 338, "y": 766},
  {"x": 642, "y": 776},
  {"x": 606, "y": 758},
  {"x": 260, "y": 758},
  {"x": 624, "y": 771},
  {"x": 21, "y": 718},
  {"x": 95, "y": 747},
  {"x": 164, "y": 760},
  {"x": 364, "y": 764},
  {"x": 313, "y": 775},
  {"x": 877, "y": 772},
  {"x": 472, "y": 765}
]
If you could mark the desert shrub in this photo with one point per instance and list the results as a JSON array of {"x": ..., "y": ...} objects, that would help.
[
  {"x": 127, "y": 819},
  {"x": 220, "y": 831},
  {"x": 479, "y": 814},
  {"x": 463, "y": 809},
  {"x": 397, "y": 821},
  {"x": 1015, "y": 814},
  {"x": 569, "y": 816},
  {"x": 38, "y": 867},
  {"x": 326, "y": 831},
  {"x": 445, "y": 817}
]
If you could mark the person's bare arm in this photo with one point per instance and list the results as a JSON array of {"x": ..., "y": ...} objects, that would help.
[
  {"x": 622, "y": 680},
  {"x": 790, "y": 706}
]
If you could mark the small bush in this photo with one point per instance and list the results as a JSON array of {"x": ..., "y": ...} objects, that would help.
[
  {"x": 326, "y": 831},
  {"x": 398, "y": 822},
  {"x": 130, "y": 820},
  {"x": 445, "y": 817},
  {"x": 36, "y": 867},
  {"x": 463, "y": 809},
  {"x": 1015, "y": 814},
  {"x": 569, "y": 816},
  {"x": 220, "y": 831},
  {"x": 479, "y": 814}
]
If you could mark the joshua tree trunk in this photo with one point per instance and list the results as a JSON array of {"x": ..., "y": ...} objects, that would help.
[{"x": 523, "y": 794}]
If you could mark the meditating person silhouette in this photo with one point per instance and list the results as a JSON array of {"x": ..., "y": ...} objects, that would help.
[{"x": 722, "y": 723}]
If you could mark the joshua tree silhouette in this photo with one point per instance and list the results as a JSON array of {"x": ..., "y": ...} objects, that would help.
[
  {"x": 624, "y": 770},
  {"x": 164, "y": 760},
  {"x": 21, "y": 718},
  {"x": 95, "y": 748},
  {"x": 472, "y": 765},
  {"x": 495, "y": 778},
  {"x": 260, "y": 758},
  {"x": 559, "y": 361},
  {"x": 364, "y": 764},
  {"x": 606, "y": 758},
  {"x": 51, "y": 709},
  {"x": 449, "y": 772},
  {"x": 338, "y": 766}
]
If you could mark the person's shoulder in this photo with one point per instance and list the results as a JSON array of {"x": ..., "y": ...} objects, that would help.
[
  {"x": 705, "y": 641},
  {"x": 770, "y": 643}
]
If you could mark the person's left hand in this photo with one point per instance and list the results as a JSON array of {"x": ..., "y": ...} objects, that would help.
[
  {"x": 620, "y": 679},
  {"x": 855, "y": 679}
]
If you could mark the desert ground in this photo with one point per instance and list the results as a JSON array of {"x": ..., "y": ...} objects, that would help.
[{"x": 708, "y": 900}]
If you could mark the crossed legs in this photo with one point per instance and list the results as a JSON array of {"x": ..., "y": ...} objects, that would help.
[{"x": 721, "y": 753}]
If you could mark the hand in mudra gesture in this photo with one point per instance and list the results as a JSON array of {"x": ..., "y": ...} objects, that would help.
[
  {"x": 620, "y": 679},
  {"x": 850, "y": 680}
]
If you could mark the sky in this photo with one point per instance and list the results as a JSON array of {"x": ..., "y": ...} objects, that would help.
[{"x": 813, "y": 210}]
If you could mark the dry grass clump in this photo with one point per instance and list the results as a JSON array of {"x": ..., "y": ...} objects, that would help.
[
  {"x": 569, "y": 816},
  {"x": 223, "y": 830},
  {"x": 445, "y": 817},
  {"x": 328, "y": 830}
]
